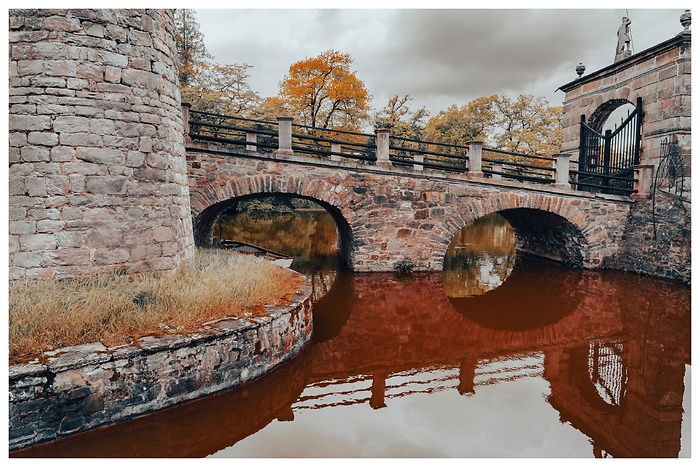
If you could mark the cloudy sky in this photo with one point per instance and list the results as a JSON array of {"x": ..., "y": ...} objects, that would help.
[{"x": 438, "y": 56}]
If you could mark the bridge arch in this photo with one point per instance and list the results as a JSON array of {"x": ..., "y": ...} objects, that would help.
[
  {"x": 552, "y": 228},
  {"x": 208, "y": 204}
]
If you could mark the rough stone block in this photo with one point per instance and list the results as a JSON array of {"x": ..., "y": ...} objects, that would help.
[
  {"x": 43, "y": 139},
  {"x": 62, "y": 68},
  {"x": 90, "y": 71},
  {"x": 67, "y": 255},
  {"x": 36, "y": 186},
  {"x": 113, "y": 74},
  {"x": 26, "y": 259},
  {"x": 105, "y": 185},
  {"x": 112, "y": 256},
  {"x": 65, "y": 240},
  {"x": 29, "y": 122},
  {"x": 102, "y": 126},
  {"x": 34, "y": 154},
  {"x": 102, "y": 238},
  {"x": 29, "y": 67},
  {"x": 61, "y": 23},
  {"x": 71, "y": 124},
  {"x": 35, "y": 242},
  {"x": 100, "y": 155}
]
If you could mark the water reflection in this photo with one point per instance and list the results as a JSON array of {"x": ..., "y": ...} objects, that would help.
[
  {"x": 518, "y": 305},
  {"x": 553, "y": 363},
  {"x": 480, "y": 257},
  {"x": 308, "y": 235}
]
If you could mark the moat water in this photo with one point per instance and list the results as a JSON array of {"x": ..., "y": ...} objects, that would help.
[{"x": 497, "y": 356}]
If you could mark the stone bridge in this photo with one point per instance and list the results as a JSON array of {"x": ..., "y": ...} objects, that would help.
[
  {"x": 97, "y": 178},
  {"x": 386, "y": 215}
]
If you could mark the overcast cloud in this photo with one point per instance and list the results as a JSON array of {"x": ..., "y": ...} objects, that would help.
[{"x": 439, "y": 57}]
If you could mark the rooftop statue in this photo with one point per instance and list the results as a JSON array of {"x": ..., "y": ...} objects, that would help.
[{"x": 624, "y": 39}]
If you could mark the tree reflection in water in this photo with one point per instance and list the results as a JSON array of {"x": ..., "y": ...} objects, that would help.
[
  {"x": 480, "y": 257},
  {"x": 308, "y": 235}
]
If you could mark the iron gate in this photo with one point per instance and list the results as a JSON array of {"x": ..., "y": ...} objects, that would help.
[{"x": 606, "y": 161}]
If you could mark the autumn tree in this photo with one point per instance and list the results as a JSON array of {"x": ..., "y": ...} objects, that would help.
[
  {"x": 323, "y": 92},
  {"x": 192, "y": 54},
  {"x": 459, "y": 125},
  {"x": 528, "y": 125},
  {"x": 222, "y": 89},
  {"x": 268, "y": 109},
  {"x": 403, "y": 122}
]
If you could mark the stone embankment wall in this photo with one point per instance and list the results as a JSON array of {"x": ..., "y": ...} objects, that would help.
[
  {"x": 72, "y": 390},
  {"x": 97, "y": 175},
  {"x": 666, "y": 254}
]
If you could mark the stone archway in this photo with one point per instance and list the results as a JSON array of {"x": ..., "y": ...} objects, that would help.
[
  {"x": 660, "y": 76},
  {"x": 544, "y": 227},
  {"x": 548, "y": 235},
  {"x": 602, "y": 113},
  {"x": 209, "y": 203}
]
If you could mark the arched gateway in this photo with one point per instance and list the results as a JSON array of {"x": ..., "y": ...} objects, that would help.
[{"x": 386, "y": 216}]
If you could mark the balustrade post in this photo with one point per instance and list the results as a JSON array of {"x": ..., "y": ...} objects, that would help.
[
  {"x": 644, "y": 175},
  {"x": 285, "y": 136},
  {"x": 474, "y": 162},
  {"x": 562, "y": 165},
  {"x": 496, "y": 168},
  {"x": 418, "y": 160},
  {"x": 185, "y": 107},
  {"x": 382, "y": 137},
  {"x": 335, "y": 147},
  {"x": 251, "y": 137}
]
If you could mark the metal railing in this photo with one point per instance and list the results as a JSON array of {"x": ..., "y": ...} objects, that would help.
[
  {"x": 383, "y": 149},
  {"x": 671, "y": 173}
]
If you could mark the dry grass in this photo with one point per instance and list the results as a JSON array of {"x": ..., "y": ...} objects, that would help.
[{"x": 114, "y": 309}]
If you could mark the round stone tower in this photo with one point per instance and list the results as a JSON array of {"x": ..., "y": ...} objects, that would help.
[{"x": 97, "y": 171}]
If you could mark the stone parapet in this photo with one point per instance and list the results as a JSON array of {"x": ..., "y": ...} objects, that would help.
[
  {"x": 97, "y": 173},
  {"x": 75, "y": 389}
]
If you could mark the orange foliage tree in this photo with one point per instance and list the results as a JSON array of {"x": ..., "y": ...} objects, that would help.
[{"x": 323, "y": 92}]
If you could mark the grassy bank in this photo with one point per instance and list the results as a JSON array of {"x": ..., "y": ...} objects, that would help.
[{"x": 114, "y": 308}]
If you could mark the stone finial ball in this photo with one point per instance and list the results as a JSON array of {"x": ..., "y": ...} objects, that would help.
[{"x": 685, "y": 20}]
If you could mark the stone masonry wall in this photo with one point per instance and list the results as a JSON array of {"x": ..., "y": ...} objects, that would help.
[
  {"x": 75, "y": 389},
  {"x": 661, "y": 76},
  {"x": 666, "y": 254},
  {"x": 97, "y": 173}
]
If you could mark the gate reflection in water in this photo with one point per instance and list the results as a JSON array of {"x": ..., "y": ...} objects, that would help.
[{"x": 564, "y": 363}]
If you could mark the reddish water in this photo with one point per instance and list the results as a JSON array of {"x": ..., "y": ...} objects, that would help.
[{"x": 552, "y": 362}]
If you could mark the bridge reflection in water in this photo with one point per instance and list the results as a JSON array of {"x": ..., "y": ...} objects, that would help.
[{"x": 553, "y": 363}]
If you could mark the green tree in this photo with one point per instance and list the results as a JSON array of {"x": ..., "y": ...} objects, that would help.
[{"x": 323, "y": 92}]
